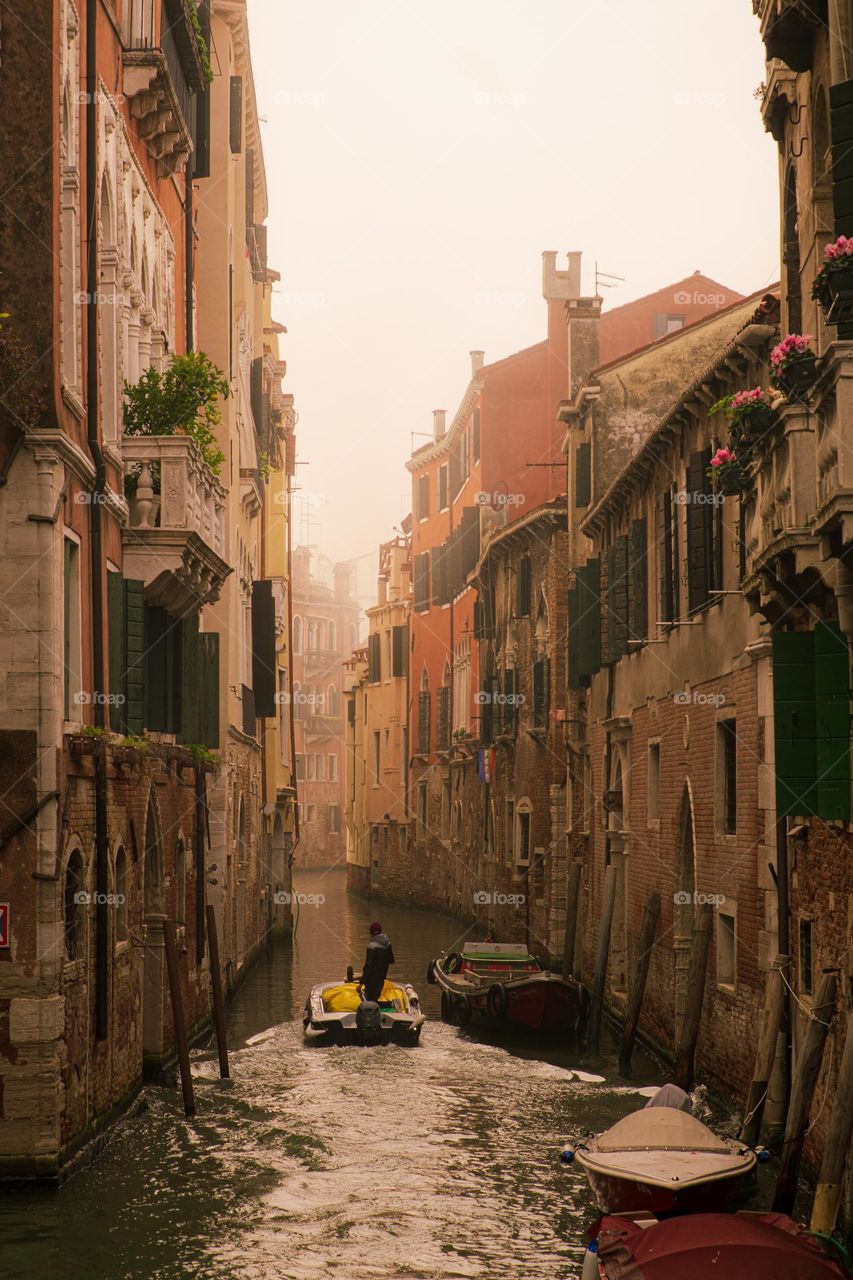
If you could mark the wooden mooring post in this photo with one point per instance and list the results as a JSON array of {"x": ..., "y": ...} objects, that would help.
[
  {"x": 572, "y": 905},
  {"x": 171, "y": 944},
  {"x": 638, "y": 990},
  {"x": 218, "y": 997},
  {"x": 802, "y": 1091},
  {"x": 835, "y": 1154},
  {"x": 771, "y": 1025},
  {"x": 607, "y": 903},
  {"x": 685, "y": 1060}
]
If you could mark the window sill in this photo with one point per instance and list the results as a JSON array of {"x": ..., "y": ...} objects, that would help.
[{"x": 727, "y": 992}]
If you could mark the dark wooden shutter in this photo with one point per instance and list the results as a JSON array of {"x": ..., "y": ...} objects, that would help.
[
  {"x": 190, "y": 726},
  {"x": 455, "y": 475},
  {"x": 795, "y": 722},
  {"x": 208, "y": 660},
  {"x": 509, "y": 718},
  {"x": 469, "y": 538},
  {"x": 541, "y": 693},
  {"x": 163, "y": 671},
  {"x": 374, "y": 659},
  {"x": 351, "y": 709},
  {"x": 475, "y": 434},
  {"x": 638, "y": 612},
  {"x": 264, "y": 666},
  {"x": 250, "y": 192},
  {"x": 201, "y": 106},
  {"x": 486, "y": 709},
  {"x": 235, "y": 130},
  {"x": 583, "y": 475},
  {"x": 438, "y": 569},
  {"x": 134, "y": 648},
  {"x": 443, "y": 713},
  {"x": 423, "y": 497},
  {"x": 832, "y": 694},
  {"x": 522, "y": 607},
  {"x": 116, "y": 646},
  {"x": 256, "y": 389},
  {"x": 573, "y": 639},
  {"x": 423, "y": 722},
  {"x": 841, "y": 124},
  {"x": 698, "y": 548},
  {"x": 421, "y": 582},
  {"x": 250, "y": 723},
  {"x": 665, "y": 557},
  {"x": 588, "y": 604},
  {"x": 442, "y": 487},
  {"x": 617, "y": 599},
  {"x": 399, "y": 650}
]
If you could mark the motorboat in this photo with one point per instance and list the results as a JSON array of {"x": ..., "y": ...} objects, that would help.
[
  {"x": 662, "y": 1160},
  {"x": 707, "y": 1246},
  {"x": 336, "y": 1013},
  {"x": 501, "y": 983}
]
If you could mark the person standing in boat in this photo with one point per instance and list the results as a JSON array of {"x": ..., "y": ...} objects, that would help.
[{"x": 377, "y": 962}]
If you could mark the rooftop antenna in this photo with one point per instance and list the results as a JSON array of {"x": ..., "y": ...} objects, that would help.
[{"x": 607, "y": 280}]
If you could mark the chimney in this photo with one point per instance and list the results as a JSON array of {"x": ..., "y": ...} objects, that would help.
[
  {"x": 343, "y": 581},
  {"x": 560, "y": 285},
  {"x": 438, "y": 428},
  {"x": 477, "y": 358}
]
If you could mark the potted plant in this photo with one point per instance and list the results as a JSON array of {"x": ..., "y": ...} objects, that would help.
[
  {"x": 833, "y": 285},
  {"x": 793, "y": 365},
  {"x": 749, "y": 414},
  {"x": 726, "y": 472}
]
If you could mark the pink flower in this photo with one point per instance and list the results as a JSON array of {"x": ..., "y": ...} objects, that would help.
[
  {"x": 795, "y": 344},
  {"x": 840, "y": 248},
  {"x": 722, "y": 456}
]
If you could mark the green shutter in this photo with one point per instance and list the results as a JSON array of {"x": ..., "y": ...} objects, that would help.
[
  {"x": 115, "y": 626},
  {"x": 163, "y": 671},
  {"x": 795, "y": 722},
  {"x": 191, "y": 692},
  {"x": 583, "y": 475},
  {"x": 399, "y": 653},
  {"x": 638, "y": 611},
  {"x": 698, "y": 541},
  {"x": 617, "y": 599},
  {"x": 208, "y": 657},
  {"x": 832, "y": 691},
  {"x": 134, "y": 650},
  {"x": 264, "y": 662},
  {"x": 589, "y": 620},
  {"x": 841, "y": 123}
]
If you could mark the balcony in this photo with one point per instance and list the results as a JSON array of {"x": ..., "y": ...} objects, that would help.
[
  {"x": 317, "y": 726},
  {"x": 175, "y": 539},
  {"x": 833, "y": 402},
  {"x": 789, "y": 27},
  {"x": 781, "y": 553},
  {"x": 160, "y": 78},
  {"x": 320, "y": 659}
]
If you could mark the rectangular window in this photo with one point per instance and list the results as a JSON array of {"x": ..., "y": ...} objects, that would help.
[
  {"x": 300, "y": 767},
  {"x": 727, "y": 754},
  {"x": 311, "y": 813},
  {"x": 475, "y": 435},
  {"x": 421, "y": 582},
  {"x": 806, "y": 958},
  {"x": 442, "y": 488},
  {"x": 73, "y": 682},
  {"x": 423, "y": 497},
  {"x": 333, "y": 767},
  {"x": 653, "y": 783},
  {"x": 334, "y": 819},
  {"x": 377, "y": 756},
  {"x": 726, "y": 950},
  {"x": 509, "y": 829},
  {"x": 522, "y": 602},
  {"x": 388, "y": 654},
  {"x": 312, "y": 767},
  {"x": 524, "y": 837}
]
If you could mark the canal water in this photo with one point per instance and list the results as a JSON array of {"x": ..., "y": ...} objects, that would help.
[{"x": 428, "y": 1163}]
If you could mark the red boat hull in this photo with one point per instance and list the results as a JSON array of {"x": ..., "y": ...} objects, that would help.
[
  {"x": 543, "y": 1006},
  {"x": 622, "y": 1195}
]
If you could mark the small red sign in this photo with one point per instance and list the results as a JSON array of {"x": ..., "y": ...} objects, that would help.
[{"x": 4, "y": 924}]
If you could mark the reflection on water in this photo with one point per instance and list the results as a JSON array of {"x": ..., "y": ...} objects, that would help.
[{"x": 434, "y": 1162}]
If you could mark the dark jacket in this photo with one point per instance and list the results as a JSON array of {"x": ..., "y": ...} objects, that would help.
[{"x": 376, "y": 964}]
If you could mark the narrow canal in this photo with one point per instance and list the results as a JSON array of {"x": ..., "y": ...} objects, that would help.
[{"x": 434, "y": 1162}]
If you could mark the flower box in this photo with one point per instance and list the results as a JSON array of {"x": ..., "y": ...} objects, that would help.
[
  {"x": 726, "y": 472},
  {"x": 798, "y": 375},
  {"x": 835, "y": 295}
]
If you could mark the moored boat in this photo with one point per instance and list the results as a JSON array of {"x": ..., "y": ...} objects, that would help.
[
  {"x": 335, "y": 1013},
  {"x": 707, "y": 1246},
  {"x": 662, "y": 1160},
  {"x": 500, "y": 983}
]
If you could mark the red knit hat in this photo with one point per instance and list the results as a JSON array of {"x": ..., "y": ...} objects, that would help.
[{"x": 376, "y": 927}]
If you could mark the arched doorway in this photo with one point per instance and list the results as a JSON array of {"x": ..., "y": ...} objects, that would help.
[
  {"x": 684, "y": 903},
  {"x": 153, "y": 919}
]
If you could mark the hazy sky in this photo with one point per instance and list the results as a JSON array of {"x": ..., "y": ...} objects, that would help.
[{"x": 421, "y": 156}]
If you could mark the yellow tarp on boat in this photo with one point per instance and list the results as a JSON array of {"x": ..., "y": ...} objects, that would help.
[{"x": 345, "y": 998}]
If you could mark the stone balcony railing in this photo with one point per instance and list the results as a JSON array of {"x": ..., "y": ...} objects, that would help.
[
  {"x": 781, "y": 551},
  {"x": 320, "y": 659},
  {"x": 833, "y": 408},
  {"x": 175, "y": 538}
]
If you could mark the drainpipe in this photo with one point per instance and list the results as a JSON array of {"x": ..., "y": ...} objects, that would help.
[
  {"x": 189, "y": 255},
  {"x": 96, "y": 528}
]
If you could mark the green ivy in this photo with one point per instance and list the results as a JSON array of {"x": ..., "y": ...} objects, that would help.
[
  {"x": 201, "y": 754},
  {"x": 203, "y": 51},
  {"x": 183, "y": 400}
]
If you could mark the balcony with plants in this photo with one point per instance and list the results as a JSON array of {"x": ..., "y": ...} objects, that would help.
[
  {"x": 175, "y": 540},
  {"x": 789, "y": 29}
]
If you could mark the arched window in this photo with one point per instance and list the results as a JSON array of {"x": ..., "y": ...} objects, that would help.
[
  {"x": 180, "y": 883},
  {"x": 297, "y": 634},
  {"x": 75, "y": 913},
  {"x": 331, "y": 708},
  {"x": 121, "y": 895}
]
